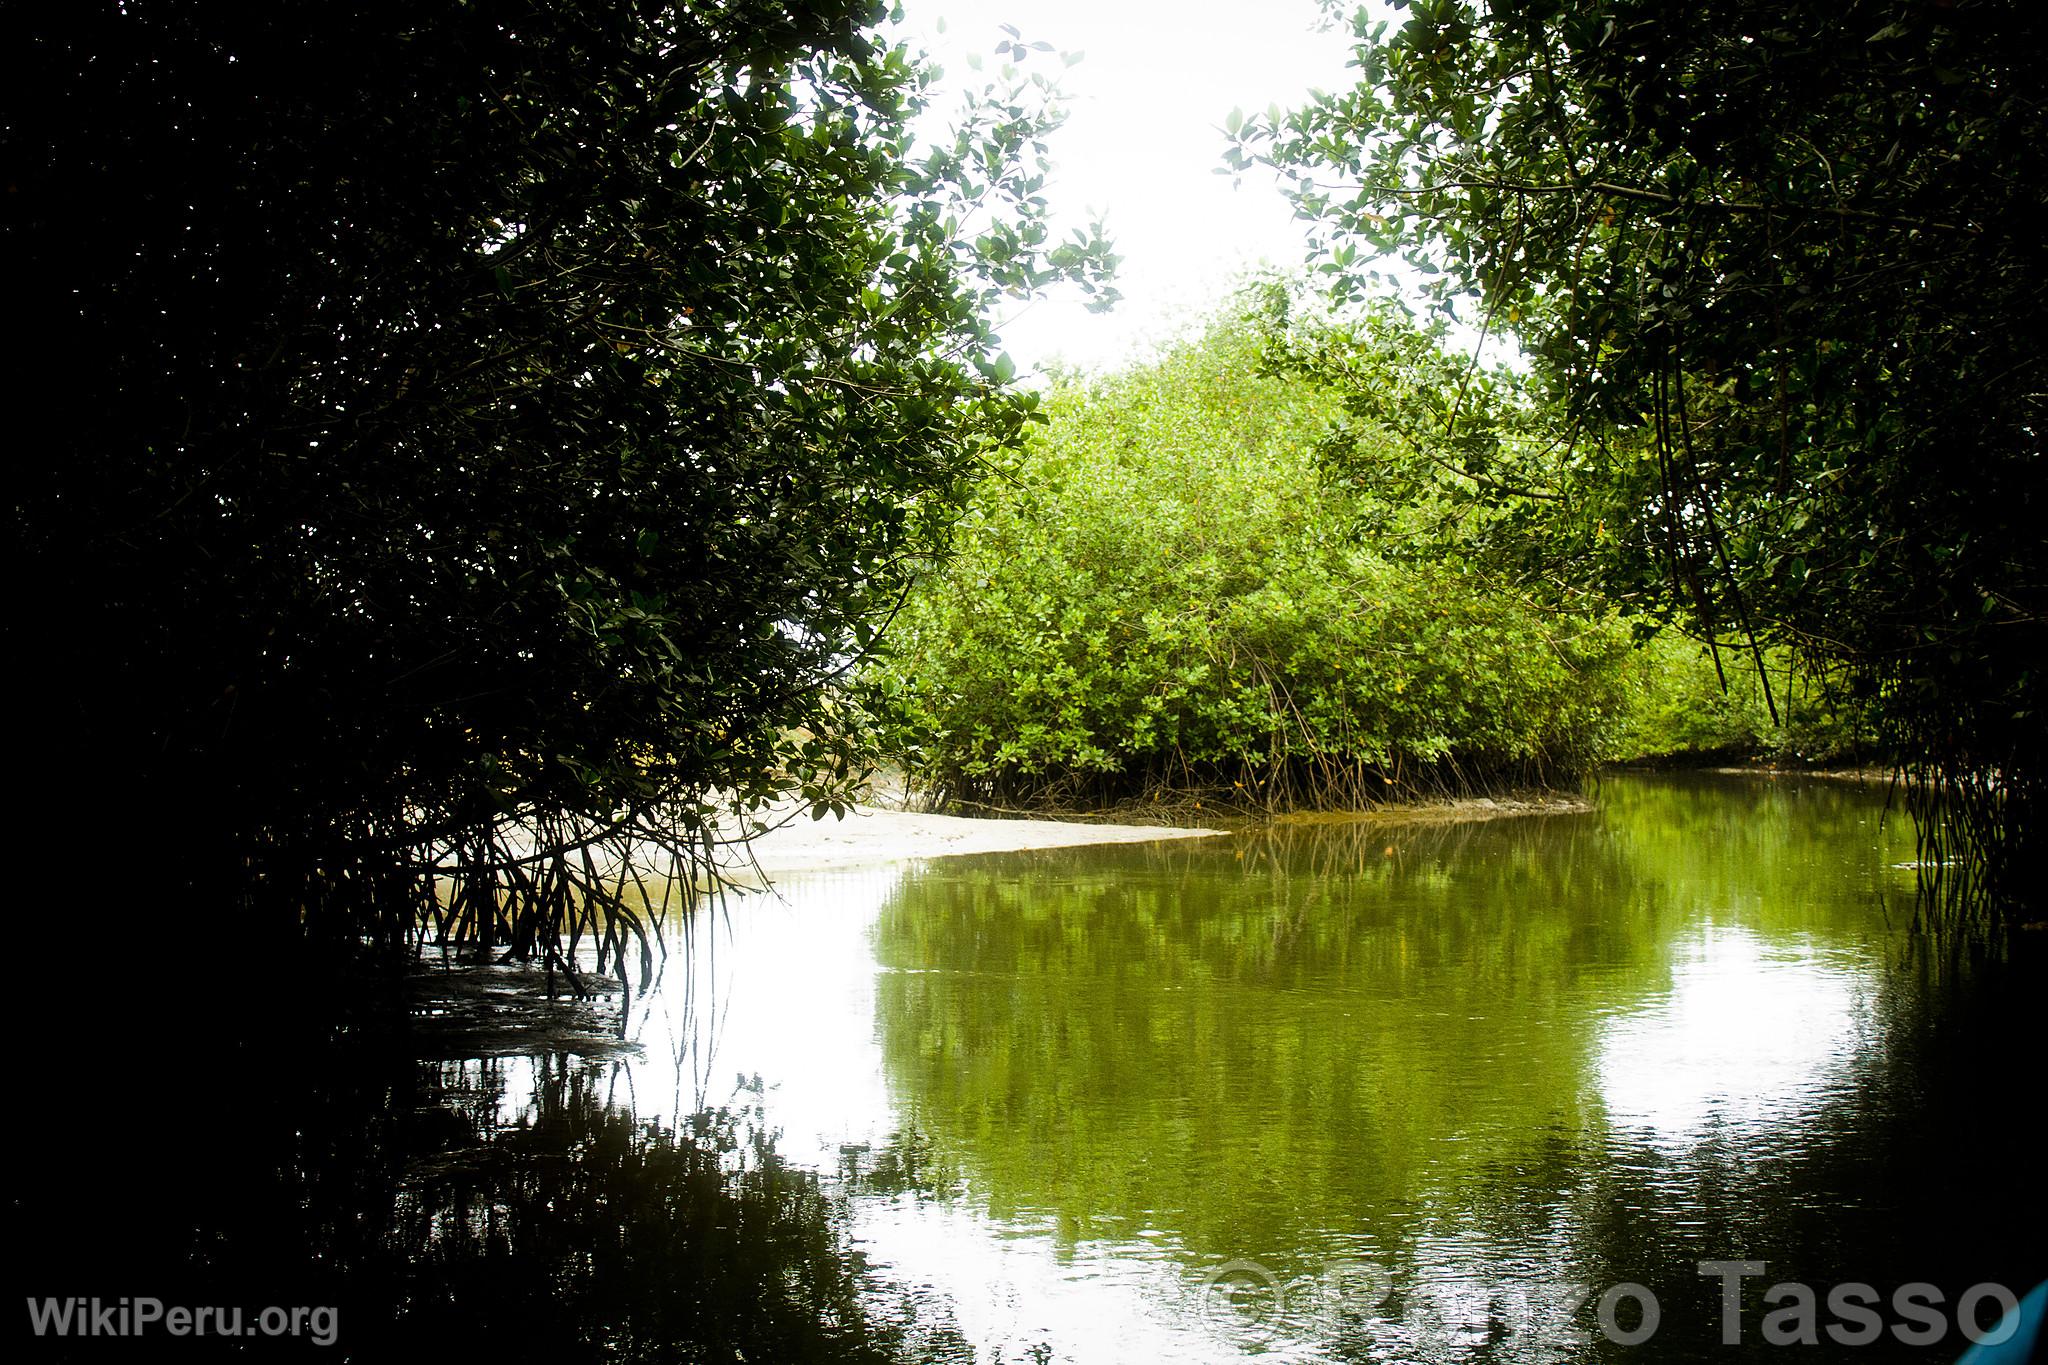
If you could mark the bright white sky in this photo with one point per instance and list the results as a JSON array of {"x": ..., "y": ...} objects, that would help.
[{"x": 1142, "y": 143}]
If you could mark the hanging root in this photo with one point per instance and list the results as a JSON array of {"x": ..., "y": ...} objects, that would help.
[
  {"x": 1975, "y": 807},
  {"x": 568, "y": 893}
]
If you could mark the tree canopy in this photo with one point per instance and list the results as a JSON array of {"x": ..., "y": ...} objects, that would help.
[
  {"x": 1167, "y": 599},
  {"x": 1777, "y": 270},
  {"x": 462, "y": 437}
]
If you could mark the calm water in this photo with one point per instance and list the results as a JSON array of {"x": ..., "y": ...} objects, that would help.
[
  {"x": 1328, "y": 1092},
  {"x": 1374, "y": 1092}
]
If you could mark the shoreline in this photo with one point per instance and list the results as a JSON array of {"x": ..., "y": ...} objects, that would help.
[
  {"x": 871, "y": 835},
  {"x": 886, "y": 833},
  {"x": 1453, "y": 810},
  {"x": 876, "y": 834},
  {"x": 1866, "y": 773}
]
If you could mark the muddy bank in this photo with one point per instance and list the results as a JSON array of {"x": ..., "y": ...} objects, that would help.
[
  {"x": 1861, "y": 774},
  {"x": 1448, "y": 811},
  {"x": 871, "y": 834}
]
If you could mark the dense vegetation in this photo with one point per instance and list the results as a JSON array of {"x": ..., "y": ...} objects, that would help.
[
  {"x": 464, "y": 439},
  {"x": 1165, "y": 595},
  {"x": 1779, "y": 271},
  {"x": 1682, "y": 708},
  {"x": 1443, "y": 457}
]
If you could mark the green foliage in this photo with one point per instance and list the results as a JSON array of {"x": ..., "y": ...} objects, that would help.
[
  {"x": 479, "y": 434},
  {"x": 1163, "y": 595},
  {"x": 1446, "y": 454},
  {"x": 1682, "y": 704},
  {"x": 1780, "y": 266}
]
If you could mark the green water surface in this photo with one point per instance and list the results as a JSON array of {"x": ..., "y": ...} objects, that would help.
[
  {"x": 1337, "y": 1091},
  {"x": 1374, "y": 1091}
]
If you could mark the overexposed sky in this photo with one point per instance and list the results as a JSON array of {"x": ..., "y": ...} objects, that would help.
[{"x": 1142, "y": 144}]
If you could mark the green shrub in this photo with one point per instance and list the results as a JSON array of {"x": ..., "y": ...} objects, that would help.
[{"x": 1167, "y": 596}]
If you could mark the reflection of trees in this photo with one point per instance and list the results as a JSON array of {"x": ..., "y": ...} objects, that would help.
[
  {"x": 1786, "y": 855},
  {"x": 438, "y": 1216},
  {"x": 642, "y": 1240},
  {"x": 1328, "y": 1037}
]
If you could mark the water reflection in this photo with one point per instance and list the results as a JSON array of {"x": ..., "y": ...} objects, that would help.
[
  {"x": 1338, "y": 1092},
  {"x": 776, "y": 994},
  {"x": 1752, "y": 1038},
  {"x": 508, "y": 1209},
  {"x": 1482, "y": 1060}
]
